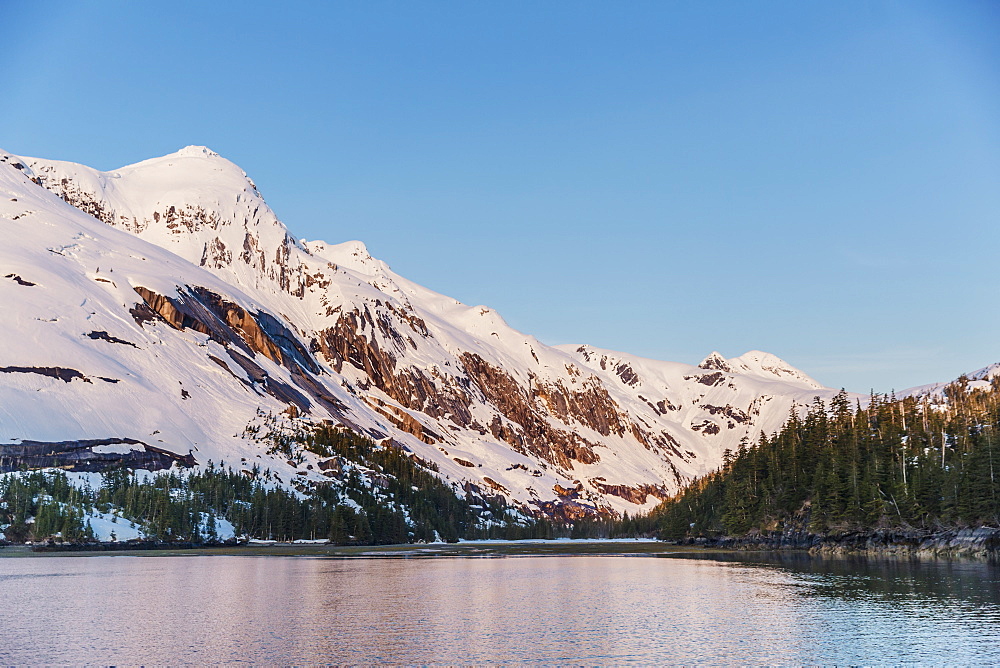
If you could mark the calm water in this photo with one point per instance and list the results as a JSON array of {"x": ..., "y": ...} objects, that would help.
[{"x": 545, "y": 609}]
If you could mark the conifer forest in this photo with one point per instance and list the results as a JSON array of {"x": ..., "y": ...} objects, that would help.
[{"x": 927, "y": 463}]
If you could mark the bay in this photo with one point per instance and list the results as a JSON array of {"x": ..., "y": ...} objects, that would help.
[{"x": 564, "y": 608}]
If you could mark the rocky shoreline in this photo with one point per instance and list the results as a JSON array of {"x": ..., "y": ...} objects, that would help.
[
  {"x": 129, "y": 546},
  {"x": 981, "y": 543}
]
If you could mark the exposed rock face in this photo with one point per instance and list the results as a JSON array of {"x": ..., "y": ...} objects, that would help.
[
  {"x": 734, "y": 414},
  {"x": 80, "y": 456},
  {"x": 204, "y": 311},
  {"x": 404, "y": 421},
  {"x": 353, "y": 340},
  {"x": 75, "y": 196},
  {"x": 715, "y": 362},
  {"x": 710, "y": 379},
  {"x": 521, "y": 414},
  {"x": 216, "y": 255},
  {"x": 566, "y": 510},
  {"x": 627, "y": 374},
  {"x": 234, "y": 327},
  {"x": 637, "y": 494},
  {"x": 591, "y": 406},
  {"x": 526, "y": 427}
]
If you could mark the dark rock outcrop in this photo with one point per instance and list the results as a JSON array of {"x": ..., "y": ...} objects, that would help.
[
  {"x": 80, "y": 456},
  {"x": 20, "y": 281},
  {"x": 228, "y": 323},
  {"x": 633, "y": 493},
  {"x": 61, "y": 373},
  {"x": 981, "y": 542},
  {"x": 104, "y": 336}
]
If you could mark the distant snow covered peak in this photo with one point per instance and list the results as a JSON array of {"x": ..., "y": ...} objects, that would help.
[
  {"x": 715, "y": 362},
  {"x": 760, "y": 364},
  {"x": 197, "y": 151},
  {"x": 980, "y": 378}
]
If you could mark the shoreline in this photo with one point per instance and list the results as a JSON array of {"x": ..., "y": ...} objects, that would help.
[
  {"x": 473, "y": 549},
  {"x": 970, "y": 543},
  {"x": 965, "y": 544}
]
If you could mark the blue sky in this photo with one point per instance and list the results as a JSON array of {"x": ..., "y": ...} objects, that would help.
[{"x": 817, "y": 180}]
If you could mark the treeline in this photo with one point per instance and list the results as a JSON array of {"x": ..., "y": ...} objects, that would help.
[
  {"x": 627, "y": 526},
  {"x": 378, "y": 495},
  {"x": 927, "y": 463}
]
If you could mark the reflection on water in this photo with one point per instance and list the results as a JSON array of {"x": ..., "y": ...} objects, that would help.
[
  {"x": 899, "y": 579},
  {"x": 583, "y": 610}
]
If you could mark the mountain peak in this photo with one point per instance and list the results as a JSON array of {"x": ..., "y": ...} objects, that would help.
[
  {"x": 194, "y": 151},
  {"x": 767, "y": 365},
  {"x": 195, "y": 202},
  {"x": 761, "y": 364},
  {"x": 715, "y": 361}
]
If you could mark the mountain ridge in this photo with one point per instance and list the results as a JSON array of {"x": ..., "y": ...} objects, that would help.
[{"x": 246, "y": 316}]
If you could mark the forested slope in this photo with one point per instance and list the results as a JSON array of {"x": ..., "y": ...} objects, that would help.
[{"x": 926, "y": 462}]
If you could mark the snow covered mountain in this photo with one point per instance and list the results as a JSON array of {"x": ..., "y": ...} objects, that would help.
[
  {"x": 935, "y": 392},
  {"x": 155, "y": 312}
]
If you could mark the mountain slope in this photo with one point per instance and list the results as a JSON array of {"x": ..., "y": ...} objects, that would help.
[
  {"x": 188, "y": 310},
  {"x": 978, "y": 379}
]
